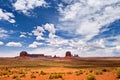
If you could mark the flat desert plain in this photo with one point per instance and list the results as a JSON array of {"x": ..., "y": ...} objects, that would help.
[{"x": 59, "y": 68}]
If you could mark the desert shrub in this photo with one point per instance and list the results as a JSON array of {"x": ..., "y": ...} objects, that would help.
[
  {"x": 37, "y": 72},
  {"x": 55, "y": 76},
  {"x": 91, "y": 77},
  {"x": 9, "y": 71},
  {"x": 8, "y": 75},
  {"x": 23, "y": 75},
  {"x": 51, "y": 76},
  {"x": 32, "y": 76},
  {"x": 69, "y": 72},
  {"x": 91, "y": 71},
  {"x": 98, "y": 73},
  {"x": 15, "y": 77},
  {"x": 79, "y": 72},
  {"x": 86, "y": 73},
  {"x": 21, "y": 72},
  {"x": 3, "y": 74},
  {"x": 42, "y": 73},
  {"x": 118, "y": 73},
  {"x": 105, "y": 70},
  {"x": 32, "y": 72}
]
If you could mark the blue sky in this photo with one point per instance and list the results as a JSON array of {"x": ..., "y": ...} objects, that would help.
[{"x": 89, "y": 28}]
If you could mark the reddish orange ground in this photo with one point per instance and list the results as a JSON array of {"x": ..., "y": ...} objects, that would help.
[{"x": 109, "y": 75}]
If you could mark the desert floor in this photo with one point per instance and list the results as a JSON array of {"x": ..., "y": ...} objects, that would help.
[{"x": 58, "y": 69}]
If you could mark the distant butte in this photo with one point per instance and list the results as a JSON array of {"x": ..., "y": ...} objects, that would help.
[
  {"x": 25, "y": 54},
  {"x": 68, "y": 54}
]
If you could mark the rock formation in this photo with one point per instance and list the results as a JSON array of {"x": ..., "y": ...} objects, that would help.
[
  {"x": 23, "y": 54},
  {"x": 76, "y": 55},
  {"x": 68, "y": 54}
]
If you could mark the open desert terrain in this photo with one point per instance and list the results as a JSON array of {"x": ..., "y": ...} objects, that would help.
[
  {"x": 59, "y": 39},
  {"x": 26, "y": 68}
]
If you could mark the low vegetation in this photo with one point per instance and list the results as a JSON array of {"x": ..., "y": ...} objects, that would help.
[
  {"x": 55, "y": 76},
  {"x": 16, "y": 77},
  {"x": 118, "y": 73},
  {"x": 79, "y": 72},
  {"x": 90, "y": 77},
  {"x": 91, "y": 71},
  {"x": 23, "y": 75},
  {"x": 32, "y": 76},
  {"x": 105, "y": 70},
  {"x": 42, "y": 73},
  {"x": 98, "y": 72}
]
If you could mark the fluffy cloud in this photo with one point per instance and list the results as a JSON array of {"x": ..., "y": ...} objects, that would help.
[
  {"x": 94, "y": 48},
  {"x": 88, "y": 17},
  {"x": 35, "y": 44},
  {"x": 118, "y": 47},
  {"x": 6, "y": 16},
  {"x": 76, "y": 44},
  {"x": 51, "y": 29},
  {"x": 26, "y": 34},
  {"x": 61, "y": 52},
  {"x": 38, "y": 32},
  {"x": 1, "y": 43},
  {"x": 22, "y": 36},
  {"x": 3, "y": 33},
  {"x": 14, "y": 44},
  {"x": 58, "y": 42},
  {"x": 99, "y": 44},
  {"x": 51, "y": 51},
  {"x": 26, "y": 5}
]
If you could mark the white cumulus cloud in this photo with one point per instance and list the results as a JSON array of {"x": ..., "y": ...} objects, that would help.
[
  {"x": 51, "y": 29},
  {"x": 26, "y": 5},
  {"x": 118, "y": 47},
  {"x": 14, "y": 44},
  {"x": 38, "y": 32},
  {"x": 35, "y": 44},
  {"x": 6, "y": 16},
  {"x": 3, "y": 33},
  {"x": 1, "y": 43},
  {"x": 22, "y": 36},
  {"x": 88, "y": 17}
]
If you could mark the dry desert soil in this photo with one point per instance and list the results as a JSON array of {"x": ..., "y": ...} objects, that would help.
[{"x": 59, "y": 69}]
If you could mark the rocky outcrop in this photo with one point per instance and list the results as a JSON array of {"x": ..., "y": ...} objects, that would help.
[
  {"x": 68, "y": 54},
  {"x": 76, "y": 55},
  {"x": 23, "y": 54}
]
